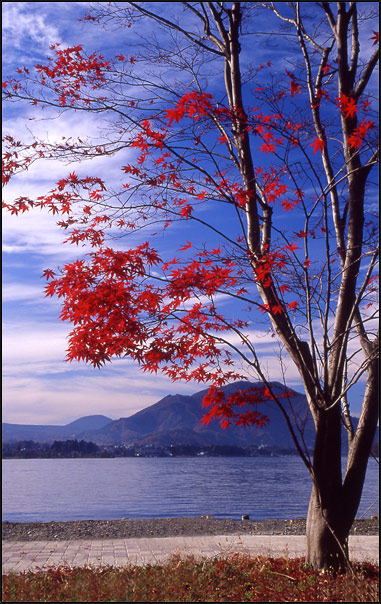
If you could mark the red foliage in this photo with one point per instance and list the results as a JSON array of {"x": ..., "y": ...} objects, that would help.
[
  {"x": 318, "y": 144},
  {"x": 224, "y": 407},
  {"x": 192, "y": 105},
  {"x": 358, "y": 135},
  {"x": 167, "y": 320},
  {"x": 347, "y": 105},
  {"x": 294, "y": 86}
]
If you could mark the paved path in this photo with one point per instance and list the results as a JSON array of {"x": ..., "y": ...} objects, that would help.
[{"x": 22, "y": 556}]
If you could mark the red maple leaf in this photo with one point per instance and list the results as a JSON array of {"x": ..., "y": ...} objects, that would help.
[
  {"x": 358, "y": 135},
  {"x": 292, "y": 247},
  {"x": 318, "y": 144},
  {"x": 348, "y": 105},
  {"x": 173, "y": 115},
  {"x": 277, "y": 310},
  {"x": 48, "y": 274},
  {"x": 186, "y": 246},
  {"x": 376, "y": 37},
  {"x": 186, "y": 211},
  {"x": 294, "y": 88}
]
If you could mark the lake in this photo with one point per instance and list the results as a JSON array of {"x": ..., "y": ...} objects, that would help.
[{"x": 43, "y": 490}]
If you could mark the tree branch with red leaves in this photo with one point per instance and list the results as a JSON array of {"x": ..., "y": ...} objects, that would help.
[{"x": 273, "y": 171}]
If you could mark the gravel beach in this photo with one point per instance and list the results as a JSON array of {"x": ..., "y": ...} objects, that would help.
[{"x": 162, "y": 527}]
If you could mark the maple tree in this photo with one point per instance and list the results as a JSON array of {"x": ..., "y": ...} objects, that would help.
[{"x": 236, "y": 164}]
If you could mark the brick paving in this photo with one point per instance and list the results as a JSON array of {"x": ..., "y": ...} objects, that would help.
[{"x": 20, "y": 556}]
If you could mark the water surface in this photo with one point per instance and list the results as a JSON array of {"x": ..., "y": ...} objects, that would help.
[{"x": 42, "y": 490}]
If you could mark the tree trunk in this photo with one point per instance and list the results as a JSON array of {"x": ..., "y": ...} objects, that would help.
[
  {"x": 334, "y": 502},
  {"x": 327, "y": 537},
  {"x": 327, "y": 531}
]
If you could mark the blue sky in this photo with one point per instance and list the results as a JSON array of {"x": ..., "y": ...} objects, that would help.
[{"x": 38, "y": 386}]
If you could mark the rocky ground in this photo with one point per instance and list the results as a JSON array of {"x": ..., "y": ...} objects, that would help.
[{"x": 162, "y": 527}]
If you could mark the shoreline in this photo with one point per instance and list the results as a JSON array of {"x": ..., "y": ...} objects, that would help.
[{"x": 129, "y": 528}]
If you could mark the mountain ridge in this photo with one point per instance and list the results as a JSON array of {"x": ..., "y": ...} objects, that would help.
[
  {"x": 176, "y": 420},
  {"x": 51, "y": 432}
]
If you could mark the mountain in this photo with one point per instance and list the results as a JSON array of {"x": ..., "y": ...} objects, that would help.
[
  {"x": 176, "y": 420},
  {"x": 15, "y": 432},
  {"x": 90, "y": 422}
]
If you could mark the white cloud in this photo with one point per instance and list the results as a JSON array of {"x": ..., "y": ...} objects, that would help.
[
  {"x": 33, "y": 232},
  {"x": 28, "y": 343},
  {"x": 40, "y": 387},
  {"x": 30, "y": 28},
  {"x": 78, "y": 391},
  {"x": 27, "y": 30},
  {"x": 19, "y": 291}
]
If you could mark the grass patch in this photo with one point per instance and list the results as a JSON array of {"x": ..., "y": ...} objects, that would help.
[{"x": 235, "y": 579}]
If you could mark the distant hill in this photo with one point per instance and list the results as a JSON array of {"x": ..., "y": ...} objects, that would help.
[
  {"x": 16, "y": 432},
  {"x": 176, "y": 420}
]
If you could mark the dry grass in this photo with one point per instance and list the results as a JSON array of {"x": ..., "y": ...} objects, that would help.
[{"x": 234, "y": 579}]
